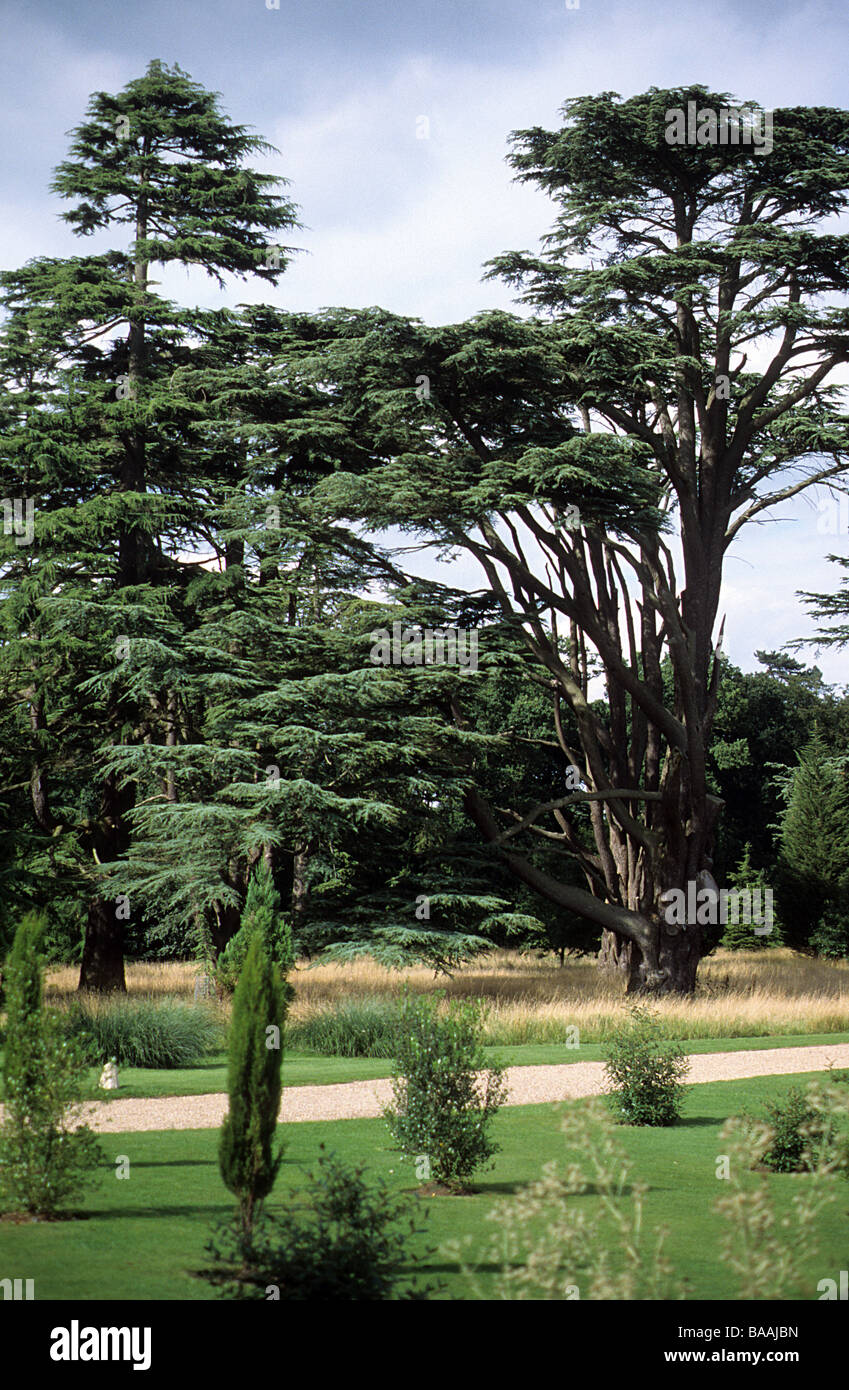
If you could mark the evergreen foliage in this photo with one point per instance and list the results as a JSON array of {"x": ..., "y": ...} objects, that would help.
[
  {"x": 814, "y": 879},
  {"x": 442, "y": 1108},
  {"x": 246, "y": 1158},
  {"x": 46, "y": 1157}
]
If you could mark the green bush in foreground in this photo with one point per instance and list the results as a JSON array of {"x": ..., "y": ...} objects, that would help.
[
  {"x": 808, "y": 1127},
  {"x": 348, "y": 1242},
  {"x": 645, "y": 1070},
  {"x": 158, "y": 1033},
  {"x": 46, "y": 1157},
  {"x": 442, "y": 1108},
  {"x": 797, "y": 1132},
  {"x": 254, "y": 1083}
]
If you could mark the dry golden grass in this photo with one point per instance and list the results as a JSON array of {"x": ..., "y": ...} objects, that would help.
[
  {"x": 740, "y": 993},
  {"x": 149, "y": 979}
]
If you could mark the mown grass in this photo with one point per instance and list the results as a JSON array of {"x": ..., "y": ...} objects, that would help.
[
  {"x": 159, "y": 1218},
  {"x": 305, "y": 1069}
]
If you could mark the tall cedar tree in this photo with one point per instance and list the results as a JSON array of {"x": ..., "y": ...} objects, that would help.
[
  {"x": 125, "y": 479},
  {"x": 254, "y": 1083},
  {"x": 632, "y": 404},
  {"x": 338, "y": 773}
]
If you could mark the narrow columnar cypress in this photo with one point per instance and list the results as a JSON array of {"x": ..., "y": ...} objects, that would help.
[
  {"x": 24, "y": 999},
  {"x": 248, "y": 1164}
]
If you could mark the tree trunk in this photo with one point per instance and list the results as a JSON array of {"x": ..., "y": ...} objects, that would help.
[
  {"x": 679, "y": 950},
  {"x": 102, "y": 967},
  {"x": 300, "y": 889}
]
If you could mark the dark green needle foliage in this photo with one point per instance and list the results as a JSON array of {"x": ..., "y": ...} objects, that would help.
[{"x": 248, "y": 1163}]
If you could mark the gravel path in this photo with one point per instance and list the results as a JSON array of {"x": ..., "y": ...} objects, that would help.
[{"x": 528, "y": 1086}]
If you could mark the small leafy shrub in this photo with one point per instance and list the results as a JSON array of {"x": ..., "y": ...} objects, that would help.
[
  {"x": 799, "y": 1131},
  {"x": 46, "y": 1156},
  {"x": 346, "y": 1241},
  {"x": 442, "y": 1108},
  {"x": 353, "y": 1028},
  {"x": 158, "y": 1033},
  {"x": 770, "y": 1253},
  {"x": 645, "y": 1070}
]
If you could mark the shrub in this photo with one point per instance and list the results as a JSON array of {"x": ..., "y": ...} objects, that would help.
[
  {"x": 159, "y": 1033},
  {"x": 830, "y": 937},
  {"x": 442, "y": 1108},
  {"x": 645, "y": 1070},
  {"x": 46, "y": 1157},
  {"x": 348, "y": 1242},
  {"x": 546, "y": 1245},
  {"x": 353, "y": 1028},
  {"x": 245, "y": 1158},
  {"x": 801, "y": 1129},
  {"x": 769, "y": 1252}
]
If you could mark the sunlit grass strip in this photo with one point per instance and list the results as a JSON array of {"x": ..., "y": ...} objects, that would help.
[{"x": 740, "y": 994}]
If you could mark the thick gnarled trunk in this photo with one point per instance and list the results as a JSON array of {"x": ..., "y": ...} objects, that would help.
[{"x": 672, "y": 970}]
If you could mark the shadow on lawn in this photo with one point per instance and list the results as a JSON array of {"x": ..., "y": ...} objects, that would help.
[
  {"x": 146, "y": 1213},
  {"x": 175, "y": 1163}
]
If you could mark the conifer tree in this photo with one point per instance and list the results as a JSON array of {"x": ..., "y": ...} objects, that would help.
[
  {"x": 245, "y": 1153},
  {"x": 741, "y": 935},
  {"x": 125, "y": 478},
  {"x": 814, "y": 879},
  {"x": 558, "y": 452}
]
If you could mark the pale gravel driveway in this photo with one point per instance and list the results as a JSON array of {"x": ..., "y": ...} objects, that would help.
[{"x": 355, "y": 1100}]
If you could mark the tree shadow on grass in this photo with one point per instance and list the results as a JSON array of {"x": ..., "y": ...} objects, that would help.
[
  {"x": 489, "y": 1189},
  {"x": 151, "y": 1212},
  {"x": 174, "y": 1163}
]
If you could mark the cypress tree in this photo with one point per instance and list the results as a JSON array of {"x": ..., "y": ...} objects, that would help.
[
  {"x": 261, "y": 916},
  {"x": 24, "y": 1002},
  {"x": 248, "y": 1165}
]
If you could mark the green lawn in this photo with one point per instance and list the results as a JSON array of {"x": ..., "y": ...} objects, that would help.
[
  {"x": 142, "y": 1236},
  {"x": 303, "y": 1069}
]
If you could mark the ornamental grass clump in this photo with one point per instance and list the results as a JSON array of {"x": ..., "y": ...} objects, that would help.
[{"x": 445, "y": 1096}]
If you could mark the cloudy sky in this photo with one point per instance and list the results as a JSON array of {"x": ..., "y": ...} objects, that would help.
[{"x": 392, "y": 118}]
